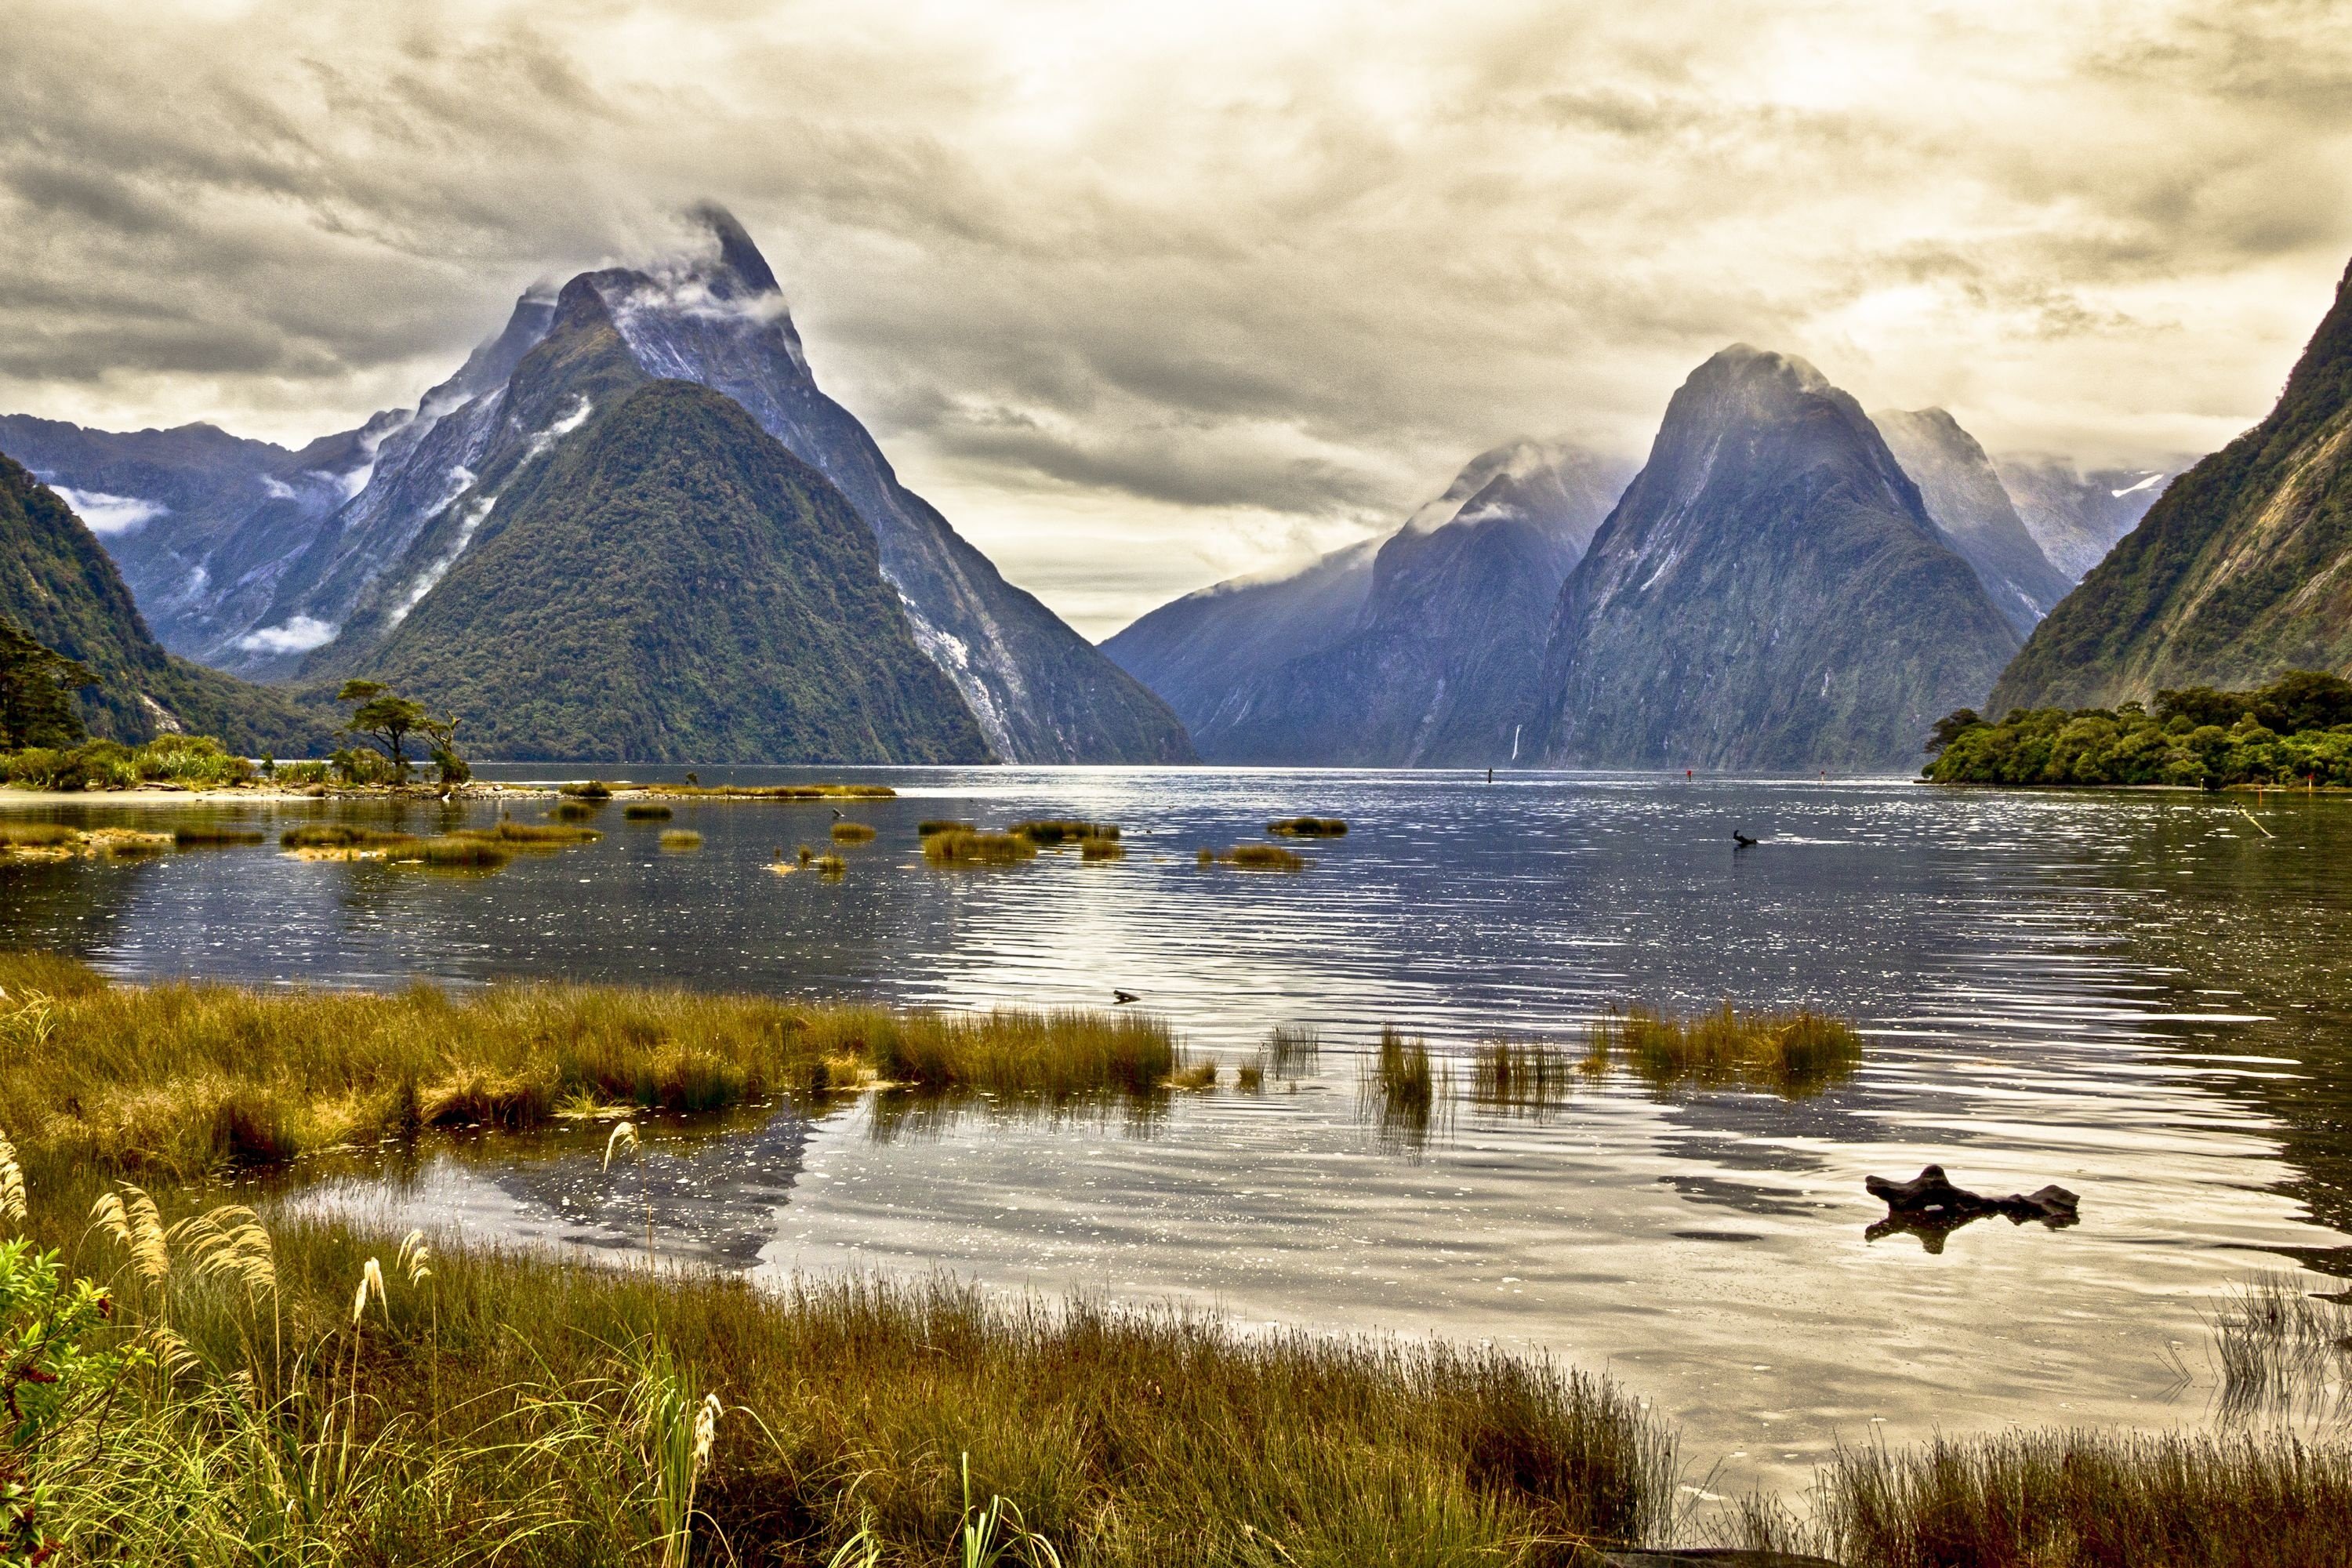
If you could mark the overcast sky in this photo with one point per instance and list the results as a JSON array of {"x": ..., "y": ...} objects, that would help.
[{"x": 1143, "y": 296}]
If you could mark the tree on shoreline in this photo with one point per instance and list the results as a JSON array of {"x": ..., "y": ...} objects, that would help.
[{"x": 386, "y": 720}]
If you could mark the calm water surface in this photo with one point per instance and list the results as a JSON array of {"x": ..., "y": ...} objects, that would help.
[{"x": 2143, "y": 997}]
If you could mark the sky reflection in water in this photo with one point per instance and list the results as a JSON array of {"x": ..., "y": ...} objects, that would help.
[{"x": 2141, "y": 997}]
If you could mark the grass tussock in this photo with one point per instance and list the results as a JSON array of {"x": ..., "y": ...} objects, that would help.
[
  {"x": 1794, "y": 1053},
  {"x": 532, "y": 835},
  {"x": 846, "y": 832},
  {"x": 776, "y": 791},
  {"x": 1308, "y": 827},
  {"x": 574, "y": 811},
  {"x": 183, "y": 1079},
  {"x": 829, "y": 866},
  {"x": 1523, "y": 1077},
  {"x": 1052, "y": 832},
  {"x": 210, "y": 836},
  {"x": 596, "y": 790},
  {"x": 488, "y": 1408},
  {"x": 340, "y": 835},
  {"x": 38, "y": 836},
  {"x": 1254, "y": 858},
  {"x": 452, "y": 852},
  {"x": 958, "y": 847},
  {"x": 1101, "y": 849},
  {"x": 677, "y": 840},
  {"x": 645, "y": 811},
  {"x": 2078, "y": 1500},
  {"x": 938, "y": 824}
]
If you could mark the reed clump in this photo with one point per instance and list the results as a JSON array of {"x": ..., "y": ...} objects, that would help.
[
  {"x": 1524, "y": 1077},
  {"x": 210, "y": 836},
  {"x": 1309, "y": 827},
  {"x": 1101, "y": 849},
  {"x": 2078, "y": 1500},
  {"x": 1254, "y": 858},
  {"x": 938, "y": 824},
  {"x": 1292, "y": 1049},
  {"x": 36, "y": 835},
  {"x": 586, "y": 790},
  {"x": 1053, "y": 831},
  {"x": 1057, "y": 1054},
  {"x": 847, "y": 832},
  {"x": 574, "y": 811},
  {"x": 832, "y": 866},
  {"x": 1402, "y": 1069},
  {"x": 2285, "y": 1353},
  {"x": 960, "y": 846},
  {"x": 645, "y": 811},
  {"x": 180, "y": 1078},
  {"x": 677, "y": 840},
  {"x": 1793, "y": 1054}
]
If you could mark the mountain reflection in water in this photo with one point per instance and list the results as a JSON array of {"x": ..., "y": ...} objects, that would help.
[{"x": 2138, "y": 996}]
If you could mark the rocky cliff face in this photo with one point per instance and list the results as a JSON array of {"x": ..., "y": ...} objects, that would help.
[
  {"x": 1433, "y": 666},
  {"x": 61, "y": 586},
  {"x": 2075, "y": 514},
  {"x": 1770, "y": 594},
  {"x": 2242, "y": 570},
  {"x": 665, "y": 581},
  {"x": 1965, "y": 499}
]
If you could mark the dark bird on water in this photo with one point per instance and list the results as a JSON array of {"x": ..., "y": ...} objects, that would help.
[
  {"x": 1121, "y": 999},
  {"x": 1741, "y": 840},
  {"x": 837, "y": 814}
]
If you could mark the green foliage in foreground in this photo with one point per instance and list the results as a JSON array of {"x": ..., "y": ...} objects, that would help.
[
  {"x": 478, "y": 1408},
  {"x": 2297, "y": 730},
  {"x": 197, "y": 760}
]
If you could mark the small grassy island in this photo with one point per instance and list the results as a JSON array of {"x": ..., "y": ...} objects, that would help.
[{"x": 2295, "y": 731}]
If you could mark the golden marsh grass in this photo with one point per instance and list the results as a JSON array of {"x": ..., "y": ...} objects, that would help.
[{"x": 181, "y": 1079}]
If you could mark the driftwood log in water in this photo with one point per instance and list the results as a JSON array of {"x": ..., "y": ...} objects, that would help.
[{"x": 1931, "y": 1195}]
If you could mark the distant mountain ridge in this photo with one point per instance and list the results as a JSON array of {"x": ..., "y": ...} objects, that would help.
[
  {"x": 1770, "y": 594},
  {"x": 1965, "y": 499},
  {"x": 61, "y": 588},
  {"x": 2074, "y": 514},
  {"x": 1419, "y": 652},
  {"x": 2242, "y": 570}
]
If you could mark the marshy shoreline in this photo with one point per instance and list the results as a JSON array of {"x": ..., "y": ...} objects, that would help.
[{"x": 851, "y": 1408}]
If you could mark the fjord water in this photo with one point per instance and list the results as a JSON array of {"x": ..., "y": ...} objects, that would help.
[{"x": 2140, "y": 996}]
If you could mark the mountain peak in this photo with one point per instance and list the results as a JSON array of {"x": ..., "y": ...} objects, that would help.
[
  {"x": 737, "y": 253},
  {"x": 1748, "y": 365}
]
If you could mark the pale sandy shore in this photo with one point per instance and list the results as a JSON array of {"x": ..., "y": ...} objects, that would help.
[{"x": 149, "y": 795}]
